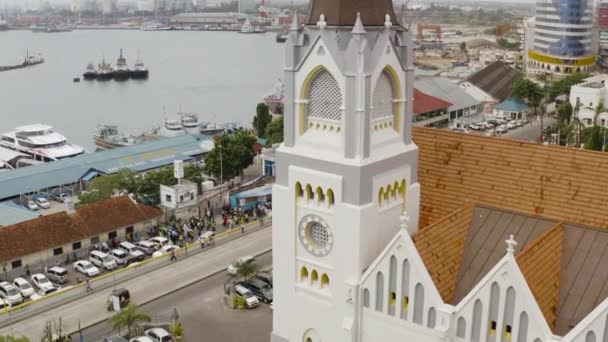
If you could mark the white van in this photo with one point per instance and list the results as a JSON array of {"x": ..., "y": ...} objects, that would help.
[
  {"x": 250, "y": 299},
  {"x": 119, "y": 255},
  {"x": 132, "y": 249},
  {"x": 102, "y": 260}
]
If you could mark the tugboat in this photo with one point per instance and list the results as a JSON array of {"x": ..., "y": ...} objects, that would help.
[
  {"x": 91, "y": 73},
  {"x": 122, "y": 71},
  {"x": 139, "y": 71},
  {"x": 104, "y": 71}
]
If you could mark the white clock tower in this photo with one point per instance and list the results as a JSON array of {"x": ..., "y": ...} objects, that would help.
[{"x": 348, "y": 167}]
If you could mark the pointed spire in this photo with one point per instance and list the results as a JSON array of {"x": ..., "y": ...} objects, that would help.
[
  {"x": 359, "y": 28},
  {"x": 295, "y": 22},
  {"x": 405, "y": 221},
  {"x": 511, "y": 244},
  {"x": 322, "y": 23},
  {"x": 387, "y": 21}
]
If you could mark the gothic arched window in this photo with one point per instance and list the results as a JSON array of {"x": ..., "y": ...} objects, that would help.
[
  {"x": 324, "y": 99},
  {"x": 382, "y": 102}
]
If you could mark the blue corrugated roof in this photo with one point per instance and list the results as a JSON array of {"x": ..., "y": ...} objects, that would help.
[
  {"x": 12, "y": 214},
  {"x": 512, "y": 105},
  {"x": 141, "y": 157}
]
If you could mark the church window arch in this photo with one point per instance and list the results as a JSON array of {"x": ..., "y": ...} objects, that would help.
[
  {"x": 461, "y": 327},
  {"x": 392, "y": 285},
  {"x": 403, "y": 191},
  {"x": 476, "y": 324},
  {"x": 395, "y": 189},
  {"x": 320, "y": 195},
  {"x": 379, "y": 291},
  {"x": 509, "y": 313},
  {"x": 380, "y": 196},
  {"x": 494, "y": 302},
  {"x": 522, "y": 333},
  {"x": 323, "y": 98},
  {"x": 314, "y": 277},
  {"x": 432, "y": 319},
  {"x": 405, "y": 288},
  {"x": 383, "y": 99},
  {"x": 299, "y": 190},
  {"x": 303, "y": 274},
  {"x": 366, "y": 298},
  {"x": 324, "y": 280},
  {"x": 418, "y": 303},
  {"x": 309, "y": 194},
  {"x": 605, "y": 338},
  {"x": 311, "y": 335},
  {"x": 590, "y": 337},
  {"x": 330, "y": 198},
  {"x": 387, "y": 194}
]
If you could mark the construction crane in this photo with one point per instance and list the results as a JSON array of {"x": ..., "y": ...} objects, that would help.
[{"x": 422, "y": 27}]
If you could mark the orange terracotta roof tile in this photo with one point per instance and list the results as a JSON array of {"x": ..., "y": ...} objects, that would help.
[
  {"x": 541, "y": 264},
  {"x": 558, "y": 183},
  {"x": 441, "y": 247}
]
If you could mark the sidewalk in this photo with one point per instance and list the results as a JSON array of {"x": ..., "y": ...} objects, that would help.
[{"x": 144, "y": 288}]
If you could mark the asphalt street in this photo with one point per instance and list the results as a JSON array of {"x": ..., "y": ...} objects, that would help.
[
  {"x": 529, "y": 132},
  {"x": 203, "y": 314}
]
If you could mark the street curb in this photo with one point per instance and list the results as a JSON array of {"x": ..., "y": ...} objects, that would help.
[{"x": 212, "y": 274}]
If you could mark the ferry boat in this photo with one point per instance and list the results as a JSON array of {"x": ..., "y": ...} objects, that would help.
[
  {"x": 139, "y": 70},
  {"x": 122, "y": 71},
  {"x": 190, "y": 123},
  {"x": 40, "y": 142},
  {"x": 105, "y": 71},
  {"x": 90, "y": 73}
]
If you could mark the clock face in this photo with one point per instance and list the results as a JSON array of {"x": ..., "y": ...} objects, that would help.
[{"x": 315, "y": 235}]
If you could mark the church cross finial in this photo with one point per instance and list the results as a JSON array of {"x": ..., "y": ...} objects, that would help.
[
  {"x": 322, "y": 23},
  {"x": 405, "y": 221},
  {"x": 511, "y": 244},
  {"x": 387, "y": 21}
]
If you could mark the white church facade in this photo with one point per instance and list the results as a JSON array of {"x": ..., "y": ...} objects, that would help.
[{"x": 349, "y": 261}]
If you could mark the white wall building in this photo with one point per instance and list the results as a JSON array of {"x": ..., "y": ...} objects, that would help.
[
  {"x": 349, "y": 262},
  {"x": 586, "y": 97}
]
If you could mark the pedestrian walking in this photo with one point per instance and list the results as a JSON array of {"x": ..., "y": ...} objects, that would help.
[
  {"x": 186, "y": 248},
  {"x": 173, "y": 257},
  {"x": 89, "y": 288},
  {"x": 242, "y": 228}
]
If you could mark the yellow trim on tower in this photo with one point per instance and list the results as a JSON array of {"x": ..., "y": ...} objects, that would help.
[
  {"x": 303, "y": 95},
  {"x": 397, "y": 87},
  {"x": 585, "y": 61}
]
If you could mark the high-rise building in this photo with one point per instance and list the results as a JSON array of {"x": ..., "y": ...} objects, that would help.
[
  {"x": 564, "y": 38},
  {"x": 602, "y": 26}
]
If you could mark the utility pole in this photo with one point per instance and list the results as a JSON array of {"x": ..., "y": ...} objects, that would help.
[{"x": 221, "y": 166}]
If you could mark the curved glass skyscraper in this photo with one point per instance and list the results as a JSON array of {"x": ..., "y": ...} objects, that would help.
[{"x": 564, "y": 38}]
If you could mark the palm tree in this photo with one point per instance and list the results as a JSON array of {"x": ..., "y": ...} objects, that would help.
[
  {"x": 578, "y": 125},
  {"x": 598, "y": 110},
  {"x": 129, "y": 318},
  {"x": 533, "y": 95},
  {"x": 246, "y": 269}
]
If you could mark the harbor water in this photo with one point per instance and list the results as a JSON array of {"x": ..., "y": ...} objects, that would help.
[{"x": 219, "y": 75}]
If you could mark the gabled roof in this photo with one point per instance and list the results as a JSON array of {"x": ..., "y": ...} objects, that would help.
[
  {"x": 424, "y": 103},
  {"x": 512, "y": 105},
  {"x": 58, "y": 229},
  {"x": 344, "y": 12},
  {"x": 447, "y": 90},
  {"x": 12, "y": 214},
  {"x": 495, "y": 79}
]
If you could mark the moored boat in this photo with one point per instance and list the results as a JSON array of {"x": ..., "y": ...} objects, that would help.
[
  {"x": 40, "y": 142},
  {"x": 90, "y": 73},
  {"x": 105, "y": 71},
  {"x": 139, "y": 70},
  {"x": 122, "y": 71}
]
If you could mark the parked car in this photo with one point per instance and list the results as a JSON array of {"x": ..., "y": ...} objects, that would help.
[
  {"x": 232, "y": 267},
  {"x": 158, "y": 335},
  {"x": 132, "y": 250},
  {"x": 119, "y": 255},
  {"x": 141, "y": 339},
  {"x": 165, "y": 250},
  {"x": 159, "y": 241},
  {"x": 501, "y": 121},
  {"x": 501, "y": 129},
  {"x": 24, "y": 287},
  {"x": 511, "y": 125},
  {"x": 43, "y": 203},
  {"x": 86, "y": 267},
  {"x": 206, "y": 236},
  {"x": 487, "y": 125},
  {"x": 520, "y": 123},
  {"x": 57, "y": 274},
  {"x": 102, "y": 260},
  {"x": 146, "y": 246},
  {"x": 250, "y": 299},
  {"x": 31, "y": 205},
  {"x": 10, "y": 293},
  {"x": 493, "y": 121},
  {"x": 44, "y": 292},
  {"x": 475, "y": 127},
  {"x": 114, "y": 339},
  {"x": 41, "y": 281},
  {"x": 260, "y": 289},
  {"x": 265, "y": 278},
  {"x": 60, "y": 197}
]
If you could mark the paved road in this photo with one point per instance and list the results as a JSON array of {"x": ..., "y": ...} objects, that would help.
[
  {"x": 147, "y": 287},
  {"x": 203, "y": 315},
  {"x": 529, "y": 132}
]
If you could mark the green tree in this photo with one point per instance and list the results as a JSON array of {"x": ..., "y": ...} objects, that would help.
[
  {"x": 11, "y": 338},
  {"x": 599, "y": 109},
  {"x": 104, "y": 187},
  {"x": 231, "y": 155},
  {"x": 594, "y": 138},
  {"x": 565, "y": 114},
  {"x": 130, "y": 318},
  {"x": 274, "y": 132},
  {"x": 532, "y": 94},
  {"x": 246, "y": 268},
  {"x": 262, "y": 119},
  {"x": 563, "y": 86}
]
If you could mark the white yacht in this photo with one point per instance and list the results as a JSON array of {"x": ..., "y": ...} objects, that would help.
[
  {"x": 40, "y": 142},
  {"x": 190, "y": 123},
  {"x": 172, "y": 128}
]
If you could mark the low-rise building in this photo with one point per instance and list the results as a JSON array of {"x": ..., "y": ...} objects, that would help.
[
  {"x": 206, "y": 19},
  {"x": 54, "y": 238},
  {"x": 463, "y": 105},
  {"x": 430, "y": 111},
  {"x": 585, "y": 98},
  {"x": 180, "y": 200},
  {"x": 512, "y": 109},
  {"x": 492, "y": 84}
]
